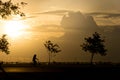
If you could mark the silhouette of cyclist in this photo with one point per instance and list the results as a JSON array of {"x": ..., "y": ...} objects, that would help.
[{"x": 34, "y": 59}]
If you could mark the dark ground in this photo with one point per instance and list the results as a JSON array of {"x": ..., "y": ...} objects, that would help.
[{"x": 60, "y": 72}]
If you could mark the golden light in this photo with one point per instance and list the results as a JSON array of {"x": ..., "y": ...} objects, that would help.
[{"x": 14, "y": 28}]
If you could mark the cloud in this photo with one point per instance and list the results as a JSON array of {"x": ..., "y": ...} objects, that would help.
[
  {"x": 105, "y": 15},
  {"x": 56, "y": 12},
  {"x": 78, "y": 20},
  {"x": 70, "y": 34},
  {"x": 112, "y": 41},
  {"x": 106, "y": 18},
  {"x": 46, "y": 28},
  {"x": 78, "y": 26},
  {"x": 45, "y": 31},
  {"x": 30, "y": 17}
]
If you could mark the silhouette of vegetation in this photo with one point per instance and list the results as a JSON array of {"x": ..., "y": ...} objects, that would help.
[
  {"x": 8, "y": 8},
  {"x": 4, "y": 45},
  {"x": 94, "y": 45},
  {"x": 52, "y": 48}
]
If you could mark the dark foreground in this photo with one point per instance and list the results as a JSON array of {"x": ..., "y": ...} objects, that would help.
[{"x": 60, "y": 72}]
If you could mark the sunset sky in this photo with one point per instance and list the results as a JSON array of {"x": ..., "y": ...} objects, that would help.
[{"x": 65, "y": 22}]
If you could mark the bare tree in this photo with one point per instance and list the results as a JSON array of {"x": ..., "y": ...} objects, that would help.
[
  {"x": 52, "y": 48},
  {"x": 94, "y": 45}
]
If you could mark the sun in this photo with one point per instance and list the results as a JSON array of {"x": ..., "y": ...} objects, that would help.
[{"x": 14, "y": 28}]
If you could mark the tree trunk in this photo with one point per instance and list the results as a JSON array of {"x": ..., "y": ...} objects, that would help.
[
  {"x": 49, "y": 58},
  {"x": 91, "y": 61},
  {"x": 3, "y": 71}
]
